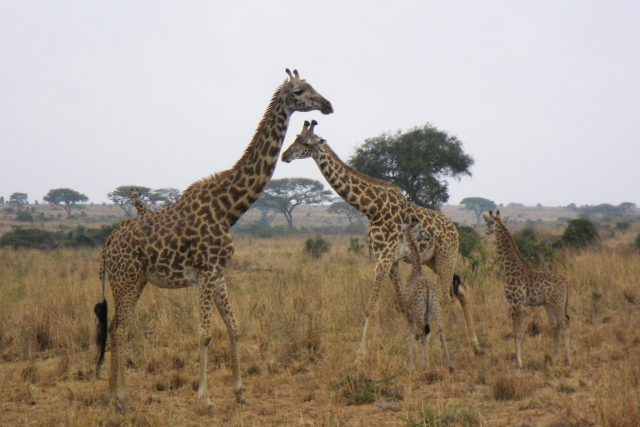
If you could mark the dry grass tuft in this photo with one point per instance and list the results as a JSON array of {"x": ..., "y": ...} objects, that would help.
[{"x": 509, "y": 387}]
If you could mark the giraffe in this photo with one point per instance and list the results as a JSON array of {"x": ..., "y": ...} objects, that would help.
[
  {"x": 528, "y": 287},
  {"x": 419, "y": 298},
  {"x": 189, "y": 243},
  {"x": 137, "y": 202},
  {"x": 387, "y": 210}
]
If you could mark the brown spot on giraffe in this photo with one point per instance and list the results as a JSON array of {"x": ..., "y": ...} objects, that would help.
[
  {"x": 528, "y": 287},
  {"x": 388, "y": 211},
  {"x": 133, "y": 256}
]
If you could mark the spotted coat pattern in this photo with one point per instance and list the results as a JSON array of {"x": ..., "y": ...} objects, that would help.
[
  {"x": 528, "y": 287},
  {"x": 419, "y": 298},
  {"x": 189, "y": 242},
  {"x": 388, "y": 211}
]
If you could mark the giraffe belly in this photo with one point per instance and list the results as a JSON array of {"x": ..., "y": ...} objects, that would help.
[{"x": 173, "y": 279}]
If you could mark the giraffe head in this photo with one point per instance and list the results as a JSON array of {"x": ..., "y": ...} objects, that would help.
[
  {"x": 491, "y": 220},
  {"x": 298, "y": 95},
  {"x": 419, "y": 235},
  {"x": 305, "y": 145}
]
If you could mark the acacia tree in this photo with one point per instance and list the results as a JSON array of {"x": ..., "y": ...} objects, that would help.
[
  {"x": 19, "y": 200},
  {"x": 284, "y": 195},
  {"x": 343, "y": 208},
  {"x": 417, "y": 161},
  {"x": 478, "y": 205},
  {"x": 165, "y": 197},
  {"x": 65, "y": 198},
  {"x": 121, "y": 196}
]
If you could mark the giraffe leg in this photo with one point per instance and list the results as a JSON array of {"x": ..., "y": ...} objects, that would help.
[
  {"x": 125, "y": 301},
  {"x": 205, "y": 306},
  {"x": 222, "y": 301},
  {"x": 555, "y": 325},
  {"x": 424, "y": 339},
  {"x": 516, "y": 317},
  {"x": 396, "y": 279},
  {"x": 434, "y": 308},
  {"x": 411, "y": 349},
  {"x": 445, "y": 267},
  {"x": 383, "y": 269}
]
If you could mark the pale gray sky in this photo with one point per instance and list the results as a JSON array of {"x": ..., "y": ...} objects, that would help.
[{"x": 544, "y": 95}]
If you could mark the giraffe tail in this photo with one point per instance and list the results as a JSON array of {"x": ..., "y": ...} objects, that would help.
[{"x": 102, "y": 313}]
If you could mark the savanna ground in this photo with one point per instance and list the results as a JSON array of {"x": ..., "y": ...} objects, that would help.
[{"x": 301, "y": 320}]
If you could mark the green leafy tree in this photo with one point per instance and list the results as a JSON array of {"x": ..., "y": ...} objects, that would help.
[
  {"x": 478, "y": 205},
  {"x": 580, "y": 233},
  {"x": 121, "y": 196},
  {"x": 267, "y": 213},
  {"x": 164, "y": 197},
  {"x": 19, "y": 200},
  {"x": 344, "y": 208},
  {"x": 284, "y": 195},
  {"x": 418, "y": 161},
  {"x": 65, "y": 198}
]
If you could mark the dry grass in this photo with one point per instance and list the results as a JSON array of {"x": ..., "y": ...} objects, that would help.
[{"x": 301, "y": 320}]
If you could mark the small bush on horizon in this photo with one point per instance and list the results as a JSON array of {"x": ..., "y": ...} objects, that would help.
[
  {"x": 317, "y": 246},
  {"x": 579, "y": 234}
]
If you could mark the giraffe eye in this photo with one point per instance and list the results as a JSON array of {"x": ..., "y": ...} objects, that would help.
[{"x": 298, "y": 92}]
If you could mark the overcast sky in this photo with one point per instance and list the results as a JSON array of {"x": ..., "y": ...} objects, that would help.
[{"x": 545, "y": 96}]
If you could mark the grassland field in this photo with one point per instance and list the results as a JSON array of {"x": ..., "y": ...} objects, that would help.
[{"x": 300, "y": 320}]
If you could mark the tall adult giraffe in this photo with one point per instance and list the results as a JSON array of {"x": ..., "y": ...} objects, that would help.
[
  {"x": 189, "y": 242},
  {"x": 388, "y": 211}
]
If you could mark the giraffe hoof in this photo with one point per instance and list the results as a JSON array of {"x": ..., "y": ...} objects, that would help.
[
  {"x": 241, "y": 399},
  {"x": 452, "y": 370},
  {"x": 122, "y": 405}
]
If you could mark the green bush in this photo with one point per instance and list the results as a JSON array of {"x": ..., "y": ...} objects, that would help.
[
  {"x": 469, "y": 240},
  {"x": 24, "y": 216},
  {"x": 316, "y": 246},
  {"x": 537, "y": 251},
  {"x": 33, "y": 238},
  {"x": 623, "y": 225},
  {"x": 580, "y": 233}
]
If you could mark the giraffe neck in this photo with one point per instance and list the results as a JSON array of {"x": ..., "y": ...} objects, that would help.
[
  {"x": 355, "y": 188},
  {"x": 512, "y": 263},
  {"x": 416, "y": 267},
  {"x": 247, "y": 179}
]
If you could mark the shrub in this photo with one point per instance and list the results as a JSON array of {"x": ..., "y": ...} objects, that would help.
[
  {"x": 32, "y": 238},
  {"x": 355, "y": 246},
  {"x": 536, "y": 251},
  {"x": 623, "y": 225},
  {"x": 580, "y": 233},
  {"x": 469, "y": 240},
  {"x": 317, "y": 246},
  {"x": 24, "y": 216}
]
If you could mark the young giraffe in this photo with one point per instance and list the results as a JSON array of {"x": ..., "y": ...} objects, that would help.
[
  {"x": 528, "y": 287},
  {"x": 189, "y": 243},
  {"x": 387, "y": 210},
  {"x": 137, "y": 202},
  {"x": 419, "y": 298}
]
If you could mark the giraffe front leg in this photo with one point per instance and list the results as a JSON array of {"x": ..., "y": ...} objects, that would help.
[
  {"x": 205, "y": 306},
  {"x": 382, "y": 272},
  {"x": 222, "y": 301}
]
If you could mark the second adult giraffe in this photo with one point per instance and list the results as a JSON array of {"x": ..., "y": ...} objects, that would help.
[
  {"x": 189, "y": 242},
  {"x": 388, "y": 212}
]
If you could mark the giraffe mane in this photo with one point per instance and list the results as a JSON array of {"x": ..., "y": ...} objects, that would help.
[
  {"x": 511, "y": 242},
  {"x": 219, "y": 177},
  {"x": 362, "y": 176}
]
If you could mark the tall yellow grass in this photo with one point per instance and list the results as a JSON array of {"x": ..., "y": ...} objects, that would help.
[{"x": 300, "y": 321}]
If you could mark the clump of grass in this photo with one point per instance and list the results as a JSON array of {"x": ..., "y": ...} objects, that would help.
[
  {"x": 317, "y": 246},
  {"x": 361, "y": 390},
  {"x": 508, "y": 387},
  {"x": 452, "y": 415}
]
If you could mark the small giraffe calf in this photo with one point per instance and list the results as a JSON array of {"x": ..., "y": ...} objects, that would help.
[
  {"x": 528, "y": 287},
  {"x": 137, "y": 202},
  {"x": 419, "y": 298}
]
